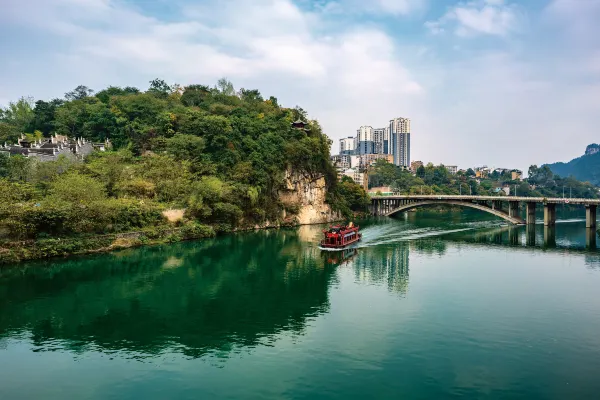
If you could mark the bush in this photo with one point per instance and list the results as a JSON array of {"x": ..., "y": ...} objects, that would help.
[{"x": 193, "y": 230}]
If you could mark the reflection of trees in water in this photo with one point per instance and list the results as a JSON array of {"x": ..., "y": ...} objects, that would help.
[
  {"x": 202, "y": 296},
  {"x": 384, "y": 265},
  {"x": 429, "y": 246}
]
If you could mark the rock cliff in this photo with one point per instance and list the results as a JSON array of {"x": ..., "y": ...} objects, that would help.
[{"x": 304, "y": 199}]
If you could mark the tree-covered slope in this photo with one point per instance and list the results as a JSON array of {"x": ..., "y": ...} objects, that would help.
[
  {"x": 584, "y": 168},
  {"x": 217, "y": 153}
]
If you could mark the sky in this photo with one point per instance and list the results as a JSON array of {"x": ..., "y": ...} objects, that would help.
[{"x": 485, "y": 82}]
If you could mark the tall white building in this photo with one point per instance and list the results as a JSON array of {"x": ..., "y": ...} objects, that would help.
[
  {"x": 400, "y": 135},
  {"x": 347, "y": 145},
  {"x": 366, "y": 143}
]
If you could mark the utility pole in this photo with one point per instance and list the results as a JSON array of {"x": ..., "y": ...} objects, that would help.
[
  {"x": 563, "y": 192},
  {"x": 570, "y": 192},
  {"x": 470, "y": 191},
  {"x": 421, "y": 190}
]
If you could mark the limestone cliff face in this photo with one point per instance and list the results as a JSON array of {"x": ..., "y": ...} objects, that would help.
[{"x": 304, "y": 198}]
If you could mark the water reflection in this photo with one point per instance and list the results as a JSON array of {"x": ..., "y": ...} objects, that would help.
[
  {"x": 215, "y": 296},
  {"x": 208, "y": 296},
  {"x": 386, "y": 265}
]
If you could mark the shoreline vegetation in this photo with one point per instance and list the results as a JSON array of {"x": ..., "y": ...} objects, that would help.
[{"x": 222, "y": 158}]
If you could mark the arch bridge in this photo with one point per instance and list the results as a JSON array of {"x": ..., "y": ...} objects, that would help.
[{"x": 505, "y": 207}]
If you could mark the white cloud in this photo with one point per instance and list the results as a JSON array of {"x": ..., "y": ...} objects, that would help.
[
  {"x": 392, "y": 7},
  {"x": 468, "y": 107},
  {"x": 489, "y": 17}
]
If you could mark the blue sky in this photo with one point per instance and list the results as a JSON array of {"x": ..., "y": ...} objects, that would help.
[{"x": 497, "y": 82}]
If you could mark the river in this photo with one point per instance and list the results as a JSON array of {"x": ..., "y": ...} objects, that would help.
[{"x": 427, "y": 306}]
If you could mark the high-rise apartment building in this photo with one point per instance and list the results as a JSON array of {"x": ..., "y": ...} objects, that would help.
[
  {"x": 366, "y": 143},
  {"x": 347, "y": 145},
  {"x": 400, "y": 135},
  {"x": 387, "y": 141},
  {"x": 378, "y": 134}
]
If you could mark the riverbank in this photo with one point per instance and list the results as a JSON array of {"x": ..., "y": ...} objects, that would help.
[
  {"x": 18, "y": 251},
  {"x": 12, "y": 252}
]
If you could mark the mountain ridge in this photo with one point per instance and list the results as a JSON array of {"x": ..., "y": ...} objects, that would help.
[{"x": 583, "y": 168}]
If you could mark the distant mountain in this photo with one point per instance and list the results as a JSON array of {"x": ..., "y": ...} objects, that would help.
[{"x": 584, "y": 168}]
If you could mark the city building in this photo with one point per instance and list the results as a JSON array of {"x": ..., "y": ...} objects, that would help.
[
  {"x": 482, "y": 172},
  {"x": 358, "y": 176},
  {"x": 400, "y": 135},
  {"x": 348, "y": 145},
  {"x": 366, "y": 142},
  {"x": 414, "y": 166},
  {"x": 453, "y": 169},
  {"x": 381, "y": 142},
  {"x": 516, "y": 175},
  {"x": 49, "y": 149},
  {"x": 366, "y": 160},
  {"x": 341, "y": 162}
]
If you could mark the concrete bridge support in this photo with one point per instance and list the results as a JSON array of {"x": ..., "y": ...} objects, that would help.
[
  {"x": 549, "y": 236},
  {"x": 590, "y": 238},
  {"x": 530, "y": 213},
  {"x": 590, "y": 216},
  {"x": 513, "y": 209},
  {"x": 549, "y": 214}
]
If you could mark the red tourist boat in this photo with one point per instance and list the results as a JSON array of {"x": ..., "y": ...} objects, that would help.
[{"x": 340, "y": 236}]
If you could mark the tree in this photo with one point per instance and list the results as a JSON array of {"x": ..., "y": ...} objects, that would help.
[
  {"x": 80, "y": 92},
  {"x": 421, "y": 171},
  {"x": 250, "y": 95},
  {"x": 159, "y": 88},
  {"x": 225, "y": 87},
  {"x": 195, "y": 95},
  {"x": 8, "y": 133},
  {"x": 470, "y": 172},
  {"x": 19, "y": 114},
  {"x": 45, "y": 115},
  {"x": 355, "y": 195},
  {"x": 105, "y": 94},
  {"x": 186, "y": 147}
]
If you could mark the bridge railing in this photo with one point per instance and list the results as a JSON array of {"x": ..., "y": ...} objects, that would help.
[{"x": 555, "y": 200}]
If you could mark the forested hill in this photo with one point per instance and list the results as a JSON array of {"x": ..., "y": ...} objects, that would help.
[
  {"x": 219, "y": 154},
  {"x": 584, "y": 168}
]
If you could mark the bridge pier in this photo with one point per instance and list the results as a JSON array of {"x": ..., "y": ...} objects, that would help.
[
  {"x": 590, "y": 216},
  {"x": 590, "y": 238},
  {"x": 549, "y": 214},
  {"x": 530, "y": 213},
  {"x": 549, "y": 236},
  {"x": 513, "y": 209}
]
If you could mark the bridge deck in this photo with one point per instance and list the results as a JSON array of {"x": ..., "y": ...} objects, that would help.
[{"x": 550, "y": 200}]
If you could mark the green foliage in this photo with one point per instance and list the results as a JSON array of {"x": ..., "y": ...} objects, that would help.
[
  {"x": 219, "y": 154},
  {"x": 76, "y": 188},
  {"x": 80, "y": 92},
  {"x": 18, "y": 115}
]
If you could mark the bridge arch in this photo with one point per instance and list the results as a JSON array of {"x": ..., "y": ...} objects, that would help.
[{"x": 421, "y": 203}]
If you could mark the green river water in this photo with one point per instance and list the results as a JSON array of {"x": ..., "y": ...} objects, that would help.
[{"x": 427, "y": 306}]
